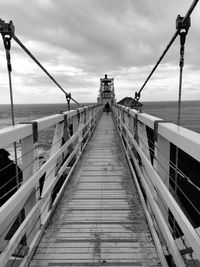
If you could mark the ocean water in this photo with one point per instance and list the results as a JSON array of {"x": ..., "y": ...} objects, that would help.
[
  {"x": 28, "y": 112},
  {"x": 167, "y": 110},
  {"x": 190, "y": 117},
  {"x": 25, "y": 113}
]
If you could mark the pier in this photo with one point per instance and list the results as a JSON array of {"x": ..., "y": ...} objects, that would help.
[
  {"x": 99, "y": 220},
  {"x": 103, "y": 197},
  {"x": 115, "y": 186}
]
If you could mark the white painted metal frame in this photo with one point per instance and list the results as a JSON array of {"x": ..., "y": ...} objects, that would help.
[{"x": 189, "y": 142}]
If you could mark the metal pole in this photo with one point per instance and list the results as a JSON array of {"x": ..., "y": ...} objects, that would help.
[
  {"x": 13, "y": 123},
  {"x": 68, "y": 104},
  {"x": 182, "y": 25},
  {"x": 7, "y": 44},
  {"x": 40, "y": 65},
  {"x": 184, "y": 19},
  {"x": 179, "y": 96}
]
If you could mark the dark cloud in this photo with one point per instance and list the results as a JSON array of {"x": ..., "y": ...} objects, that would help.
[
  {"x": 112, "y": 33},
  {"x": 98, "y": 36}
]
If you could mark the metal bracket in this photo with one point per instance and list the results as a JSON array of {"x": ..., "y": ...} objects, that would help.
[
  {"x": 6, "y": 28},
  {"x": 136, "y": 118},
  {"x": 136, "y": 128},
  {"x": 156, "y": 122},
  {"x": 182, "y": 24},
  {"x": 34, "y": 128},
  {"x": 78, "y": 116},
  {"x": 65, "y": 120}
]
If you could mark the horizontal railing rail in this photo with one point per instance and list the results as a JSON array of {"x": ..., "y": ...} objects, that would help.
[
  {"x": 38, "y": 201},
  {"x": 148, "y": 144}
]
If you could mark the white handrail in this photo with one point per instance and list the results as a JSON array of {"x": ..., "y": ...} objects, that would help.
[
  {"x": 177, "y": 134},
  {"x": 13, "y": 206}
]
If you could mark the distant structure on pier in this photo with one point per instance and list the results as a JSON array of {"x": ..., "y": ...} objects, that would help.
[{"x": 106, "y": 91}]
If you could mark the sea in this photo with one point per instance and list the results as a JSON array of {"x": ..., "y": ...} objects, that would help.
[
  {"x": 29, "y": 112},
  {"x": 167, "y": 110}
]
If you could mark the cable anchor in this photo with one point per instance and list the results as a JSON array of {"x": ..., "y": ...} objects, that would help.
[
  {"x": 7, "y": 30},
  {"x": 68, "y": 97},
  {"x": 137, "y": 96}
]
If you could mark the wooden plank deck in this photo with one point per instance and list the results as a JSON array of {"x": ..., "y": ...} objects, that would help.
[{"x": 99, "y": 220}]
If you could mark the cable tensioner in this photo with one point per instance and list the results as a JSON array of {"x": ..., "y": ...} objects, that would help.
[
  {"x": 182, "y": 25},
  {"x": 7, "y": 30},
  {"x": 137, "y": 96}
]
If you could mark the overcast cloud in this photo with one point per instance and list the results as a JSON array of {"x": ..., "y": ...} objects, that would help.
[{"x": 78, "y": 41}]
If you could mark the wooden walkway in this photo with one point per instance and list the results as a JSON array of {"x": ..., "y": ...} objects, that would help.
[{"x": 99, "y": 220}]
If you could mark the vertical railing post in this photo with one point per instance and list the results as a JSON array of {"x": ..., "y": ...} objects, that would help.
[
  {"x": 81, "y": 122},
  {"x": 30, "y": 164},
  {"x": 75, "y": 123},
  {"x": 162, "y": 166},
  {"x": 126, "y": 119},
  {"x": 143, "y": 139},
  {"x": 131, "y": 123},
  {"x": 50, "y": 174}
]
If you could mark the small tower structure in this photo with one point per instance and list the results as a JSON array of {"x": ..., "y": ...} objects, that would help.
[{"x": 107, "y": 91}]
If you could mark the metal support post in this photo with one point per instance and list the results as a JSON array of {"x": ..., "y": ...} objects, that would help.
[
  {"x": 182, "y": 28},
  {"x": 7, "y": 30}
]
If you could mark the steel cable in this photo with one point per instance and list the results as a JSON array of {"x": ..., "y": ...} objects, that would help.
[
  {"x": 189, "y": 12},
  {"x": 171, "y": 179},
  {"x": 172, "y": 164},
  {"x": 40, "y": 65}
]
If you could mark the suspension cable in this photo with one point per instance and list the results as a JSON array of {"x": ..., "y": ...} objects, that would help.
[
  {"x": 6, "y": 31},
  {"x": 185, "y": 18},
  {"x": 40, "y": 65},
  {"x": 8, "y": 28},
  {"x": 37, "y": 62}
]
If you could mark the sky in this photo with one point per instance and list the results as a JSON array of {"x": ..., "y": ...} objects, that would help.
[{"x": 79, "y": 41}]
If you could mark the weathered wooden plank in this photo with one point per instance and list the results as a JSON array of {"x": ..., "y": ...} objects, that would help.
[
  {"x": 87, "y": 250},
  {"x": 136, "y": 237},
  {"x": 95, "y": 263},
  {"x": 104, "y": 245},
  {"x": 89, "y": 256}
]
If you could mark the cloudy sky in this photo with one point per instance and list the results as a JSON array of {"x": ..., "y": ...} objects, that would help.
[{"x": 78, "y": 41}]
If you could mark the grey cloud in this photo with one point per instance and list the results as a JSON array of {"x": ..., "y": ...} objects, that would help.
[
  {"x": 102, "y": 33},
  {"x": 100, "y": 36}
]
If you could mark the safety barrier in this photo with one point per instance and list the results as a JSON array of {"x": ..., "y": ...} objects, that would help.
[
  {"x": 151, "y": 144},
  {"x": 24, "y": 216}
]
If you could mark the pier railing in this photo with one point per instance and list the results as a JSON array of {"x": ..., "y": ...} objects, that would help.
[
  {"x": 24, "y": 216},
  {"x": 151, "y": 146}
]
